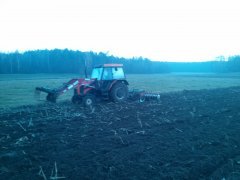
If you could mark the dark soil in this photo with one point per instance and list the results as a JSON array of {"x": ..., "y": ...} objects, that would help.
[{"x": 189, "y": 135}]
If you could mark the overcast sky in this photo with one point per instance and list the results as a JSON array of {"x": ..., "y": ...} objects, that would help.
[{"x": 165, "y": 30}]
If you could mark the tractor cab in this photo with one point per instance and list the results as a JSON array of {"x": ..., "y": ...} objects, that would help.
[{"x": 108, "y": 72}]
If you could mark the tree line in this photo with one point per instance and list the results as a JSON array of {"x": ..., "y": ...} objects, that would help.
[{"x": 69, "y": 61}]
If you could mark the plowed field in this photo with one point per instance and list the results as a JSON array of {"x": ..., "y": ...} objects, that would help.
[{"x": 188, "y": 135}]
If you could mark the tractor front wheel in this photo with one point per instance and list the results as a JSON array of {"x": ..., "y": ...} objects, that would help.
[
  {"x": 89, "y": 100},
  {"x": 119, "y": 92}
]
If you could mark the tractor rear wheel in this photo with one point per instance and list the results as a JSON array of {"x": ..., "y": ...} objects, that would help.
[
  {"x": 89, "y": 100},
  {"x": 119, "y": 92}
]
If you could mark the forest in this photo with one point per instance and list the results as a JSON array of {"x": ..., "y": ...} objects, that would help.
[{"x": 70, "y": 61}]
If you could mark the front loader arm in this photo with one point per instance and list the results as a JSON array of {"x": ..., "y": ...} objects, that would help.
[{"x": 54, "y": 93}]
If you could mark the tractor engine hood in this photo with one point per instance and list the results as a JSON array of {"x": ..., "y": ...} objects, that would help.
[{"x": 86, "y": 83}]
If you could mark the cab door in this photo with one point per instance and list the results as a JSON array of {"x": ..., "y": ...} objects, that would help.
[{"x": 106, "y": 80}]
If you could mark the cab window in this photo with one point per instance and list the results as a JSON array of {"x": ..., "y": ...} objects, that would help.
[
  {"x": 107, "y": 74},
  {"x": 118, "y": 73},
  {"x": 97, "y": 73}
]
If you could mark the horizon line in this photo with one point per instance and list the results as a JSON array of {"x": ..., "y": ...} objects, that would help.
[{"x": 219, "y": 58}]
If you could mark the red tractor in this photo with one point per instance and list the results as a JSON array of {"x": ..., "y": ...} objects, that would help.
[{"x": 107, "y": 81}]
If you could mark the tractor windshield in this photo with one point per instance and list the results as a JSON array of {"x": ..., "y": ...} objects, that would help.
[{"x": 97, "y": 73}]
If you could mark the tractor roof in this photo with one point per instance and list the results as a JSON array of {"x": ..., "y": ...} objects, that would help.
[{"x": 110, "y": 65}]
